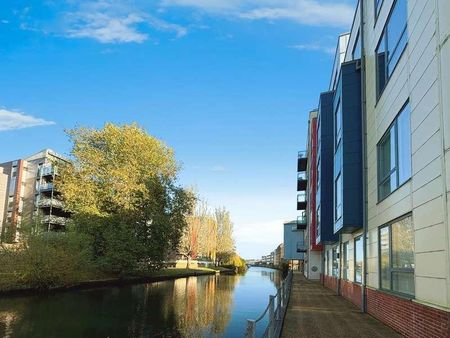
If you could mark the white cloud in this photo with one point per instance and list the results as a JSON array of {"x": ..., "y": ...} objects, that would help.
[
  {"x": 115, "y": 22},
  {"x": 307, "y": 12},
  {"x": 315, "y": 47},
  {"x": 10, "y": 120}
]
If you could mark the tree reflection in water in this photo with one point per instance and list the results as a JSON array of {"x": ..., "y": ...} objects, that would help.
[
  {"x": 203, "y": 306},
  {"x": 187, "y": 307}
]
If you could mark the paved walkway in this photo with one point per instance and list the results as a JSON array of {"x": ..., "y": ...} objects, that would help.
[{"x": 315, "y": 311}]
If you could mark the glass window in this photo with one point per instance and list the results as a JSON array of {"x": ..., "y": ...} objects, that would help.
[
  {"x": 394, "y": 155},
  {"x": 356, "y": 53},
  {"x": 392, "y": 43},
  {"x": 404, "y": 142},
  {"x": 346, "y": 260},
  {"x": 338, "y": 124},
  {"x": 335, "y": 265},
  {"x": 338, "y": 197},
  {"x": 358, "y": 259},
  {"x": 397, "y": 256},
  {"x": 318, "y": 222},
  {"x": 378, "y": 4},
  {"x": 327, "y": 265}
]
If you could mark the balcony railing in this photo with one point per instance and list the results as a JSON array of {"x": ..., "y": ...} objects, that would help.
[
  {"x": 47, "y": 170},
  {"x": 46, "y": 187},
  {"x": 301, "y": 201},
  {"x": 50, "y": 219},
  {"x": 50, "y": 202},
  {"x": 302, "y": 247},
  {"x": 302, "y": 161},
  {"x": 301, "y": 221}
]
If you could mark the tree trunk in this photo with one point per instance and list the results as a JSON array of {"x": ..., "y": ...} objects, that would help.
[{"x": 188, "y": 261}]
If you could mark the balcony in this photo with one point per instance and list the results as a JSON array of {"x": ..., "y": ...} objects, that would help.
[
  {"x": 50, "y": 219},
  {"x": 46, "y": 187},
  {"x": 302, "y": 247},
  {"x": 302, "y": 182},
  {"x": 301, "y": 201},
  {"x": 302, "y": 161},
  {"x": 49, "y": 202},
  {"x": 302, "y": 221},
  {"x": 47, "y": 170}
]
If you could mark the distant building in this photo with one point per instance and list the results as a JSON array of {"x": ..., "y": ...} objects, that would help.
[
  {"x": 27, "y": 193},
  {"x": 294, "y": 244},
  {"x": 279, "y": 253}
]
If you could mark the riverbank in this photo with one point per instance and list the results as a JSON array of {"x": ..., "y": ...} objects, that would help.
[{"x": 148, "y": 277}]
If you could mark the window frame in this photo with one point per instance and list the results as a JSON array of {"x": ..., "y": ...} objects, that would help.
[
  {"x": 387, "y": 133},
  {"x": 383, "y": 36},
  {"x": 338, "y": 133},
  {"x": 391, "y": 269},
  {"x": 377, "y": 5}
]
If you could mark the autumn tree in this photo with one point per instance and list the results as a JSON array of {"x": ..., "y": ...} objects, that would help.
[
  {"x": 121, "y": 189},
  {"x": 225, "y": 241}
]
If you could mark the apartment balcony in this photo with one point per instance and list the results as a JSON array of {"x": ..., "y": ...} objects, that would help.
[
  {"x": 50, "y": 219},
  {"x": 47, "y": 170},
  {"x": 301, "y": 200},
  {"x": 302, "y": 247},
  {"x": 49, "y": 202},
  {"x": 302, "y": 221},
  {"x": 46, "y": 187},
  {"x": 302, "y": 182},
  {"x": 302, "y": 161}
]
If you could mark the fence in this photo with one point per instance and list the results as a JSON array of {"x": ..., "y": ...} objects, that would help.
[{"x": 276, "y": 308}]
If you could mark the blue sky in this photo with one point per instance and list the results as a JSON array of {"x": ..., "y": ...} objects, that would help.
[{"x": 227, "y": 84}]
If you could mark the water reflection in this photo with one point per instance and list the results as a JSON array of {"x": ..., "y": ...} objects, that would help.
[{"x": 207, "y": 306}]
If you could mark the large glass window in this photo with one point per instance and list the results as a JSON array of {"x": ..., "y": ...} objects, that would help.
[
  {"x": 394, "y": 155},
  {"x": 318, "y": 222},
  {"x": 338, "y": 197},
  {"x": 346, "y": 260},
  {"x": 392, "y": 43},
  {"x": 358, "y": 259},
  {"x": 335, "y": 263},
  {"x": 397, "y": 256}
]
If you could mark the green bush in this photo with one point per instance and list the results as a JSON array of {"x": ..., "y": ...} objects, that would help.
[{"x": 46, "y": 260}]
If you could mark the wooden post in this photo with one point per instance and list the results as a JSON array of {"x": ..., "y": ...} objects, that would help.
[
  {"x": 251, "y": 329},
  {"x": 271, "y": 317}
]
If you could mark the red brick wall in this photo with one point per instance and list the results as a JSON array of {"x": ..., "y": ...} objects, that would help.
[
  {"x": 331, "y": 282},
  {"x": 407, "y": 317},
  {"x": 351, "y": 291}
]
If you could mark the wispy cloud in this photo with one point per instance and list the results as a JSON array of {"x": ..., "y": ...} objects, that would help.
[
  {"x": 10, "y": 120},
  {"x": 115, "y": 22},
  {"x": 106, "y": 28},
  {"x": 307, "y": 12},
  {"x": 315, "y": 47}
]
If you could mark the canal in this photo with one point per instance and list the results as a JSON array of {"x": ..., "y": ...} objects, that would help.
[{"x": 205, "y": 306}]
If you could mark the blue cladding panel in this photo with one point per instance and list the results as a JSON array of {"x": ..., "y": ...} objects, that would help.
[
  {"x": 325, "y": 195},
  {"x": 348, "y": 161}
]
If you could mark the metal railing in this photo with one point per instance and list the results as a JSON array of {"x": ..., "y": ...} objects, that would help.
[{"x": 276, "y": 310}]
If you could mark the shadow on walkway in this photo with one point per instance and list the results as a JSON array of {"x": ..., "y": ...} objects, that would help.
[{"x": 315, "y": 311}]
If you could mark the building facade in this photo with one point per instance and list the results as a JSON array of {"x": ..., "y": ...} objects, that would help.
[
  {"x": 28, "y": 195},
  {"x": 383, "y": 166}
]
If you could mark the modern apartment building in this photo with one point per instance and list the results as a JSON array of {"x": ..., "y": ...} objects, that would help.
[
  {"x": 27, "y": 193},
  {"x": 382, "y": 167}
]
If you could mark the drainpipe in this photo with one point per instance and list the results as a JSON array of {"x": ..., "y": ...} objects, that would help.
[{"x": 364, "y": 156}]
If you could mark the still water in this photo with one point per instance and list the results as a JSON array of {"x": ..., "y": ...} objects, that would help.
[{"x": 206, "y": 306}]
